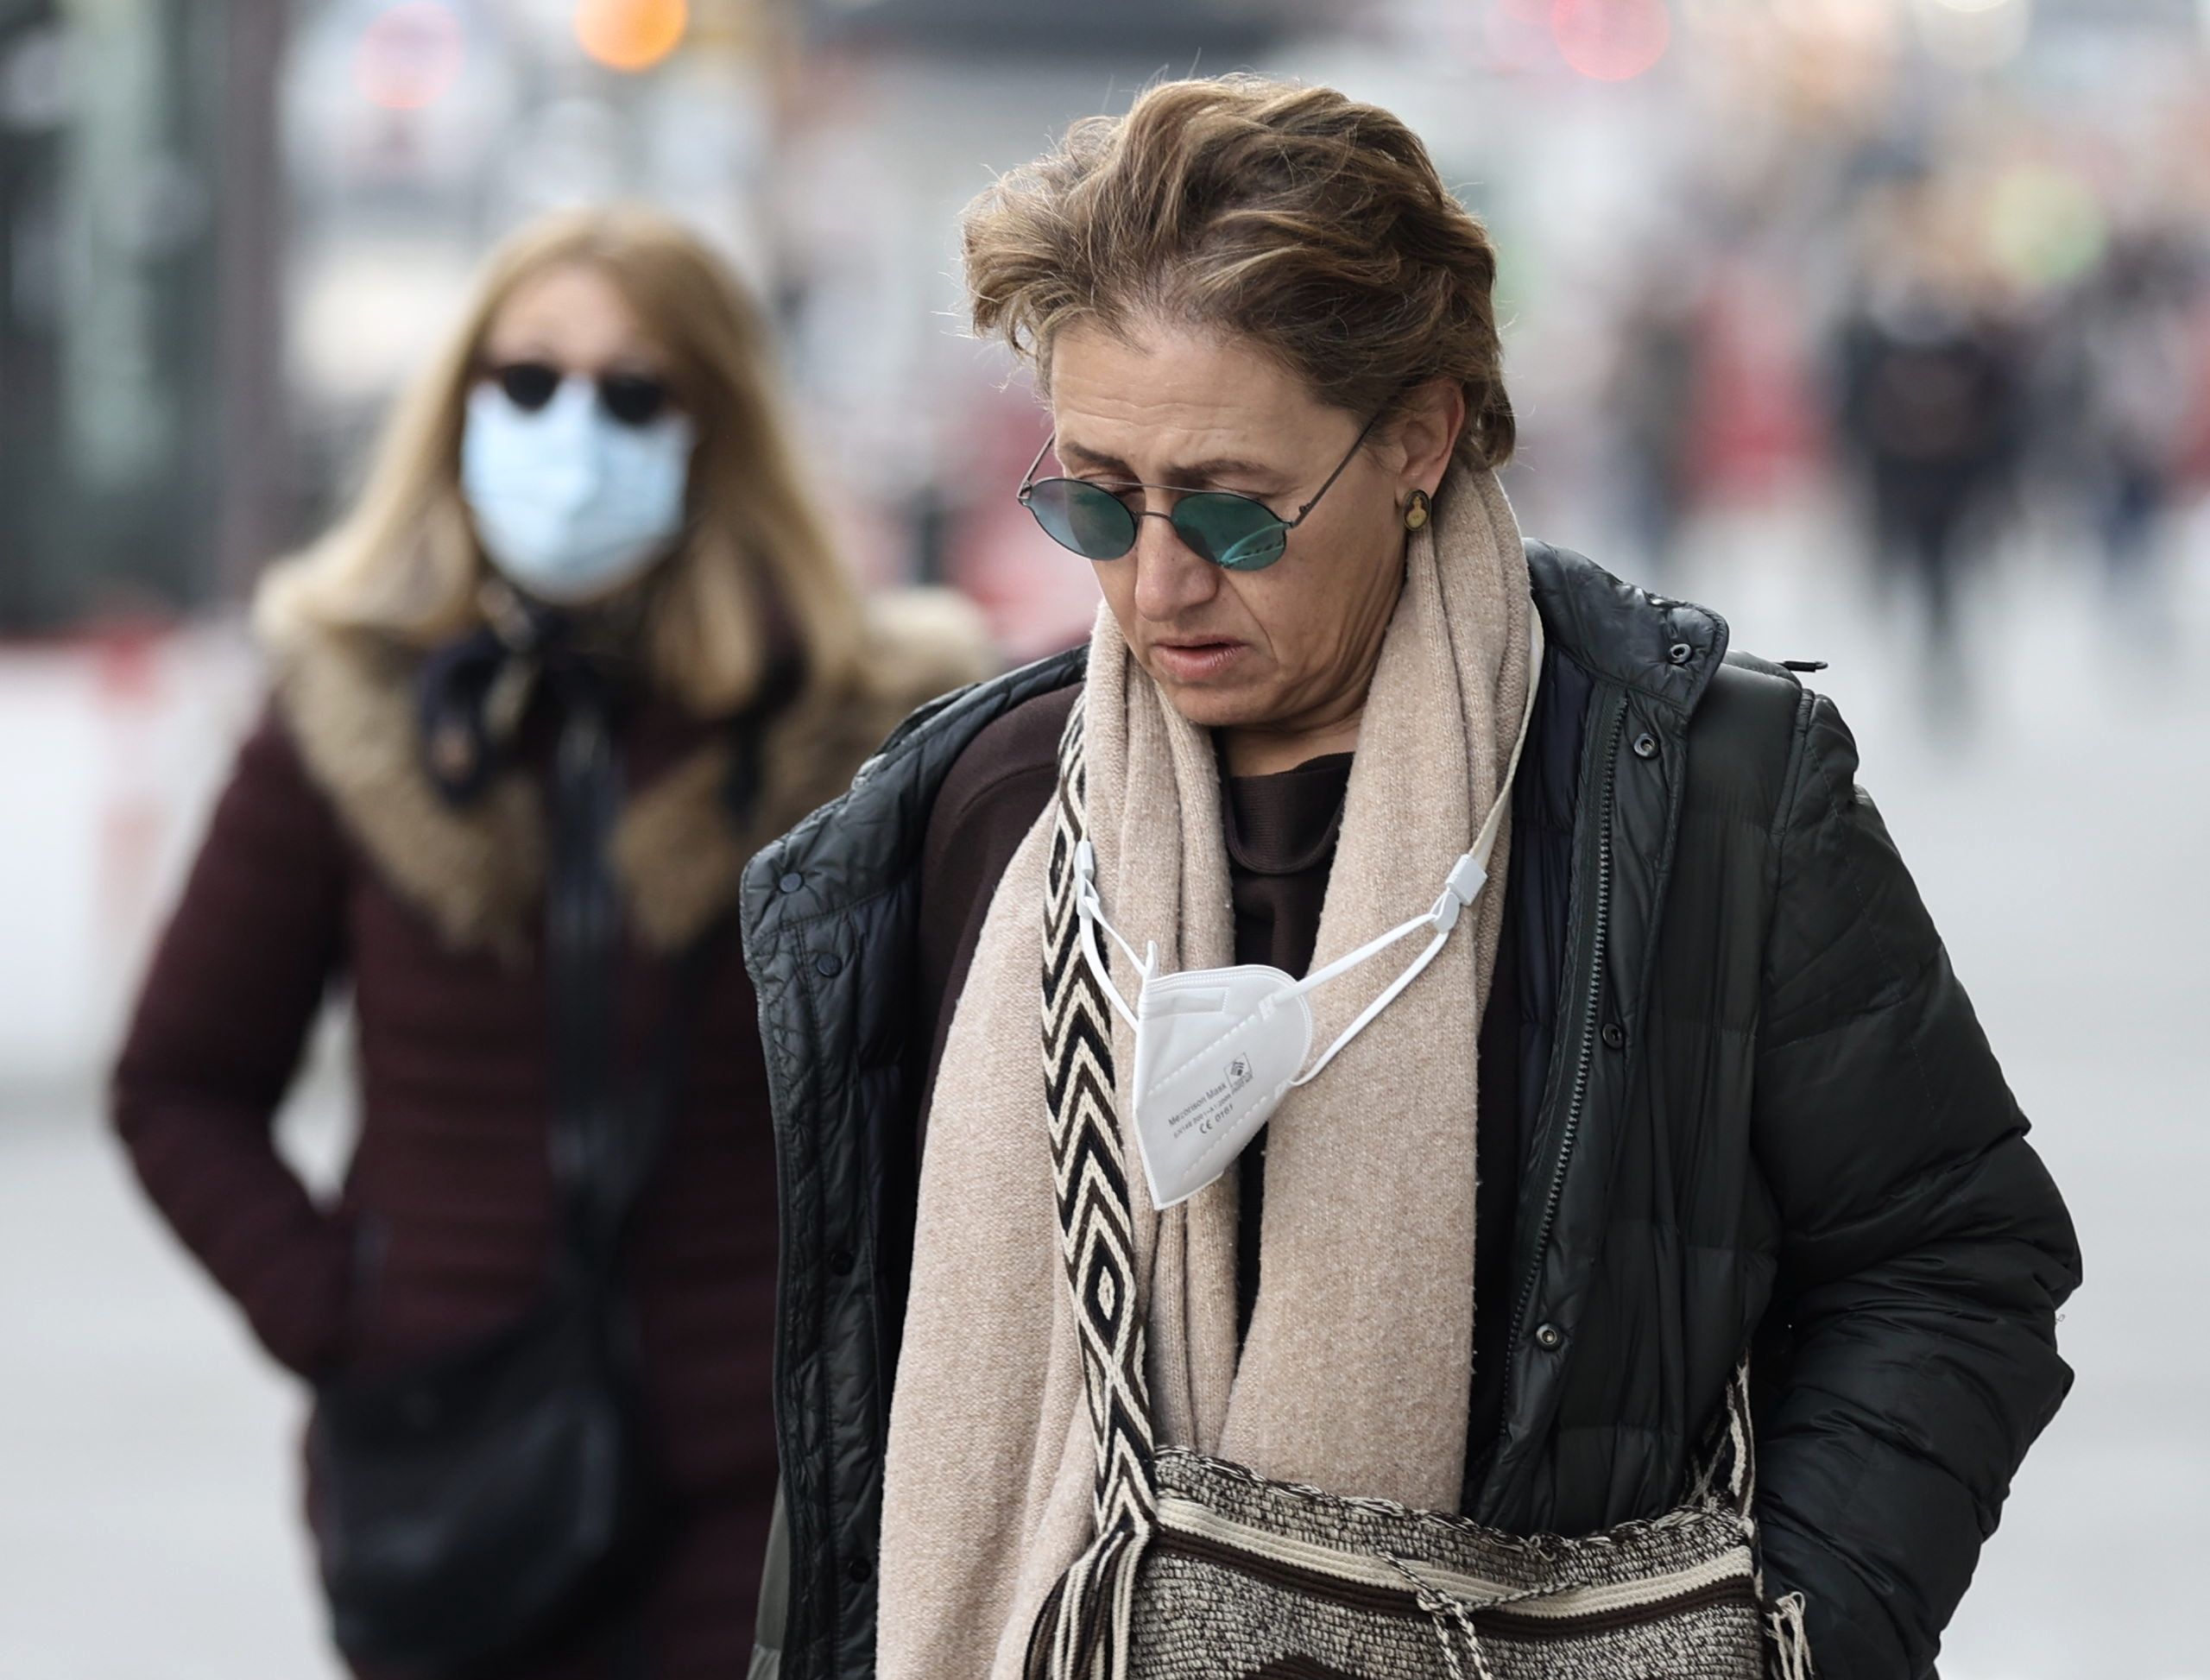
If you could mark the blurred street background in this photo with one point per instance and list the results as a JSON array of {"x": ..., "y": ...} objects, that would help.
[{"x": 1881, "y": 327}]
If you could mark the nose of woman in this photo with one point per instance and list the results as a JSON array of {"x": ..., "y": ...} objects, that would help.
[{"x": 1172, "y": 580}]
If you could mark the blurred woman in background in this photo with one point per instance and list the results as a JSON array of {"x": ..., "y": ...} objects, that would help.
[{"x": 581, "y": 646}]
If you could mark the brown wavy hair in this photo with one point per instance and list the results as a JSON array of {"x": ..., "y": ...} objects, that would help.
[
  {"x": 403, "y": 563},
  {"x": 1301, "y": 219}
]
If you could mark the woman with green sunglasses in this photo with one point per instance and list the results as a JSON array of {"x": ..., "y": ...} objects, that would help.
[{"x": 1334, "y": 1077}]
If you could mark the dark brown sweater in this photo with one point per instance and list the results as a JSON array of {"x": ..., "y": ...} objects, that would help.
[
  {"x": 444, "y": 1226},
  {"x": 1281, "y": 841}
]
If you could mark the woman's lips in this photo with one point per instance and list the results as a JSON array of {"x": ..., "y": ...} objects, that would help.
[{"x": 1196, "y": 661}]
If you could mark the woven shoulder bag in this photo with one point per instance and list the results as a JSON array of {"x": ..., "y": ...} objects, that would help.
[{"x": 1201, "y": 1569}]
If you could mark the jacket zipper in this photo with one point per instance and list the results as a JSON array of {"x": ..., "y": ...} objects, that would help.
[{"x": 1585, "y": 1060}]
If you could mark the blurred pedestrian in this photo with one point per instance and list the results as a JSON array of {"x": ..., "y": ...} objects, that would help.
[
  {"x": 578, "y": 649},
  {"x": 2129, "y": 341},
  {"x": 1650, "y": 393},
  {"x": 1242, "y": 1324},
  {"x": 1930, "y": 409}
]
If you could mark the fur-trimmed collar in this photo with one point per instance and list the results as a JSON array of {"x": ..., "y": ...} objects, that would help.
[{"x": 681, "y": 846}]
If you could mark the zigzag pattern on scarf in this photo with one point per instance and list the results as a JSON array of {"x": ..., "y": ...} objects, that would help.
[{"x": 1081, "y": 1632}]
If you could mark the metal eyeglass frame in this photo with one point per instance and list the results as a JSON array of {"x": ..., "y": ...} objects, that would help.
[{"x": 1029, "y": 482}]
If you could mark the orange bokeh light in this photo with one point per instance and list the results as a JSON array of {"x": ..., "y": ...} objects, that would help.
[{"x": 631, "y": 34}]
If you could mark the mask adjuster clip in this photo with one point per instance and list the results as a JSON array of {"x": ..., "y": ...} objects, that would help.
[
  {"x": 1090, "y": 909},
  {"x": 1460, "y": 889}
]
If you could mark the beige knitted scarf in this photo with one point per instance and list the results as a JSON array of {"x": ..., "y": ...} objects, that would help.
[{"x": 1354, "y": 1376}]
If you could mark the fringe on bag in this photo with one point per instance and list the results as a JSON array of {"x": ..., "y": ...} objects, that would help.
[
  {"x": 1081, "y": 1632},
  {"x": 1791, "y": 1652}
]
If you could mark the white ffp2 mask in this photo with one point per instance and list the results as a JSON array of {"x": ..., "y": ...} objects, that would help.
[{"x": 1218, "y": 1049}]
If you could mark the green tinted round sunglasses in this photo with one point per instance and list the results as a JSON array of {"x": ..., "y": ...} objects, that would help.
[{"x": 1237, "y": 532}]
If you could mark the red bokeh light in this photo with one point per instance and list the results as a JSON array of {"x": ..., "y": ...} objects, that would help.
[
  {"x": 410, "y": 55},
  {"x": 1611, "y": 41}
]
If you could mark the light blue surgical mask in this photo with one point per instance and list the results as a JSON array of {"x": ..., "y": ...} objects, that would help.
[{"x": 569, "y": 503}]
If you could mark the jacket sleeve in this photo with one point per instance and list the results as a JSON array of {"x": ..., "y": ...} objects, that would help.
[
  {"x": 1924, "y": 1250},
  {"x": 237, "y": 980}
]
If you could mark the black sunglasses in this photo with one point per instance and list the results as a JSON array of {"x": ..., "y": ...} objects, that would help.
[
  {"x": 1237, "y": 531},
  {"x": 633, "y": 398}
]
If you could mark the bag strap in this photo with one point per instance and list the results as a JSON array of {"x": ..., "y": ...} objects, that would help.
[
  {"x": 606, "y": 1133},
  {"x": 1083, "y": 1628},
  {"x": 1726, "y": 1473}
]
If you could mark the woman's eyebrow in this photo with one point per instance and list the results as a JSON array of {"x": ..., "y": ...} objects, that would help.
[
  {"x": 1224, "y": 467},
  {"x": 1073, "y": 454},
  {"x": 1192, "y": 475}
]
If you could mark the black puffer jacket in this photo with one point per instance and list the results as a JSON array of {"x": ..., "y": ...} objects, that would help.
[{"x": 1768, "y": 1113}]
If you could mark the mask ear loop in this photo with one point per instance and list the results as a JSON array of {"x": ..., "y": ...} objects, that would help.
[
  {"x": 1090, "y": 910},
  {"x": 1466, "y": 878}
]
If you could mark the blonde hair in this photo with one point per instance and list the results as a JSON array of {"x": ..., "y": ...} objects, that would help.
[
  {"x": 404, "y": 562},
  {"x": 1313, "y": 223}
]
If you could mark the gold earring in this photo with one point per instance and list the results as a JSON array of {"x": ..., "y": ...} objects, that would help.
[{"x": 1416, "y": 510}]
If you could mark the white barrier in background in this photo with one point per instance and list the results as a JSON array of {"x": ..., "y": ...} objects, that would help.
[{"x": 112, "y": 748}]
